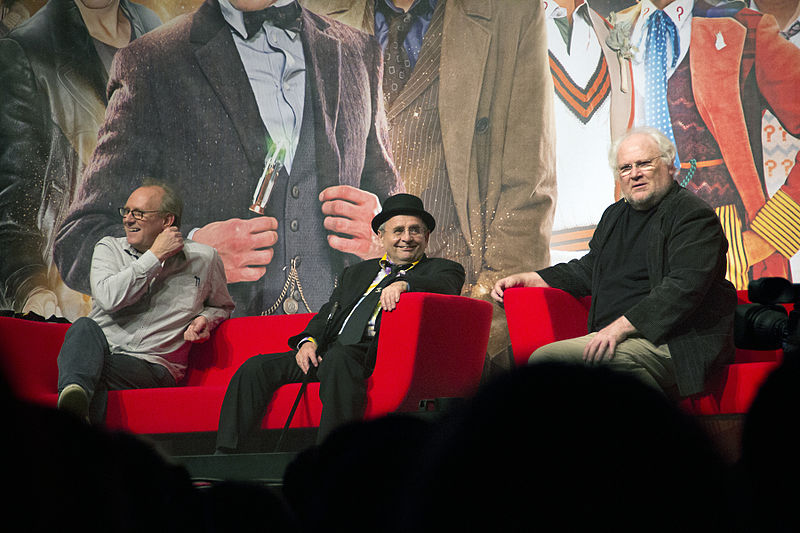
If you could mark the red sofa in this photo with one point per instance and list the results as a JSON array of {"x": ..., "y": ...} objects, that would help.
[
  {"x": 539, "y": 316},
  {"x": 432, "y": 346}
]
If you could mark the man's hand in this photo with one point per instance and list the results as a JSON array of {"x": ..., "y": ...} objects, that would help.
[
  {"x": 604, "y": 343},
  {"x": 349, "y": 211},
  {"x": 198, "y": 330},
  {"x": 307, "y": 356},
  {"x": 756, "y": 248},
  {"x": 524, "y": 279},
  {"x": 390, "y": 294},
  {"x": 167, "y": 243},
  {"x": 245, "y": 246}
]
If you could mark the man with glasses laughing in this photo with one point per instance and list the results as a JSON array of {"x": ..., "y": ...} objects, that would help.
[
  {"x": 154, "y": 293},
  {"x": 661, "y": 307}
]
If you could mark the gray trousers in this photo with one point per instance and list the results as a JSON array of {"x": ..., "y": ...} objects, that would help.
[
  {"x": 635, "y": 355},
  {"x": 85, "y": 359}
]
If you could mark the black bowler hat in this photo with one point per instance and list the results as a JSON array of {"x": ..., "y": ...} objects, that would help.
[{"x": 402, "y": 204}]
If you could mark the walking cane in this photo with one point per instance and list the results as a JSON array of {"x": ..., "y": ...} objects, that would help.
[{"x": 304, "y": 383}]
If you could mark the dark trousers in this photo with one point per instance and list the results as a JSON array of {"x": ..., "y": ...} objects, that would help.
[
  {"x": 86, "y": 360},
  {"x": 342, "y": 376}
]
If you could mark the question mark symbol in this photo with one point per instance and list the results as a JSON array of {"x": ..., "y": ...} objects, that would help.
[
  {"x": 783, "y": 134},
  {"x": 646, "y": 11},
  {"x": 680, "y": 12},
  {"x": 545, "y": 5},
  {"x": 770, "y": 164},
  {"x": 769, "y": 129},
  {"x": 787, "y": 165}
]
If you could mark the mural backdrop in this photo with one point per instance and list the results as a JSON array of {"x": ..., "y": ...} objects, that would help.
[{"x": 498, "y": 113}]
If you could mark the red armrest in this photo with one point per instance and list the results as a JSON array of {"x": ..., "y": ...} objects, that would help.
[
  {"x": 731, "y": 390},
  {"x": 238, "y": 339},
  {"x": 538, "y": 316},
  {"x": 28, "y": 355},
  {"x": 431, "y": 346}
]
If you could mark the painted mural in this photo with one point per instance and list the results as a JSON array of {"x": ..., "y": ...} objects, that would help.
[{"x": 498, "y": 113}]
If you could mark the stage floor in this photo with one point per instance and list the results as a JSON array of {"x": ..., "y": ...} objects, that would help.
[{"x": 262, "y": 468}]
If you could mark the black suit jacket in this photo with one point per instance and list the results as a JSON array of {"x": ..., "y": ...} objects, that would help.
[
  {"x": 181, "y": 109},
  {"x": 52, "y": 102},
  {"x": 435, "y": 275}
]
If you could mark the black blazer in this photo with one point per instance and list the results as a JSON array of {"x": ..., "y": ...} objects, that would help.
[
  {"x": 429, "y": 275},
  {"x": 690, "y": 305}
]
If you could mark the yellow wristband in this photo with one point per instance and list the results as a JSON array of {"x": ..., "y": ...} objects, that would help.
[{"x": 307, "y": 339}]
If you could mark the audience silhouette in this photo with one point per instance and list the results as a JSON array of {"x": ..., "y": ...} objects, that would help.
[
  {"x": 549, "y": 447},
  {"x": 555, "y": 447},
  {"x": 354, "y": 480},
  {"x": 244, "y": 507},
  {"x": 62, "y": 471},
  {"x": 770, "y": 465},
  {"x": 64, "y": 474}
]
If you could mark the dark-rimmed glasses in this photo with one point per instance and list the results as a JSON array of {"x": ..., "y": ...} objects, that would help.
[{"x": 138, "y": 214}]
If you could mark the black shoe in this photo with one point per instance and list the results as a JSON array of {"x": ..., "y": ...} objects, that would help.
[{"x": 73, "y": 399}]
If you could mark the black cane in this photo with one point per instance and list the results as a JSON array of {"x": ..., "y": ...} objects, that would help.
[{"x": 304, "y": 383}]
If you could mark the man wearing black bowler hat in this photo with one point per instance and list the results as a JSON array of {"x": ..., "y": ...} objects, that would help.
[{"x": 341, "y": 341}]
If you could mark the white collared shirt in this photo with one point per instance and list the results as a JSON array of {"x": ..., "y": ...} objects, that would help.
[
  {"x": 276, "y": 67},
  {"x": 143, "y": 305}
]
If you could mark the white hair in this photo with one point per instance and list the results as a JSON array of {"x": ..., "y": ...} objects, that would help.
[{"x": 666, "y": 149}]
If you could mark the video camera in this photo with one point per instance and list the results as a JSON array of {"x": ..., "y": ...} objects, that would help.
[{"x": 765, "y": 324}]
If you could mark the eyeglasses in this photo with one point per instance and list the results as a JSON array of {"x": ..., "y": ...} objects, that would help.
[
  {"x": 644, "y": 166},
  {"x": 414, "y": 231},
  {"x": 138, "y": 214}
]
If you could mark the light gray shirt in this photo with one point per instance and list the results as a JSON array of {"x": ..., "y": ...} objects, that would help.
[
  {"x": 276, "y": 68},
  {"x": 144, "y": 306}
]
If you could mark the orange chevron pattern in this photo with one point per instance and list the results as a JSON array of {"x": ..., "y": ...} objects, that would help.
[{"x": 582, "y": 101}]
